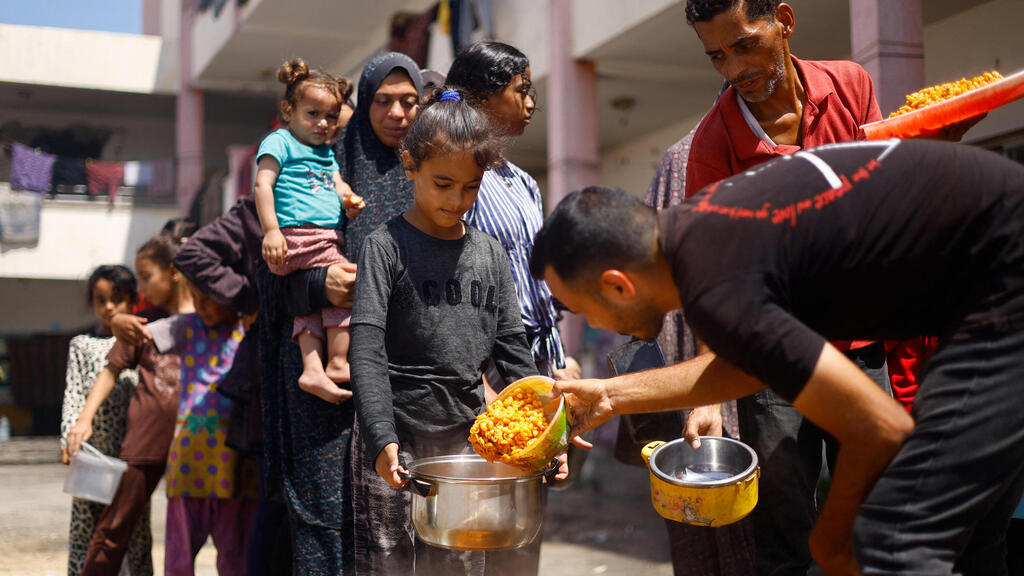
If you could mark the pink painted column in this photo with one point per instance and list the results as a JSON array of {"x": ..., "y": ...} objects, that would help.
[
  {"x": 573, "y": 157},
  {"x": 887, "y": 39},
  {"x": 239, "y": 162},
  {"x": 151, "y": 17},
  {"x": 189, "y": 117}
]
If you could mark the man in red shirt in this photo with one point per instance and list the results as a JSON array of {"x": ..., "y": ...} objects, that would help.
[{"x": 775, "y": 105}]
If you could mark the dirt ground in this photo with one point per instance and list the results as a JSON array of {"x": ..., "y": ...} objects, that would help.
[{"x": 603, "y": 524}]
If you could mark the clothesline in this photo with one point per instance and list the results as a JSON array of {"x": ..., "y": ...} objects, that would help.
[{"x": 33, "y": 170}]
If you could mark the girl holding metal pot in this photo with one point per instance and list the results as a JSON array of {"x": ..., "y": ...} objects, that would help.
[{"x": 434, "y": 302}]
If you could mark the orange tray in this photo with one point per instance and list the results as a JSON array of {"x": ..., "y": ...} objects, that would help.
[{"x": 955, "y": 109}]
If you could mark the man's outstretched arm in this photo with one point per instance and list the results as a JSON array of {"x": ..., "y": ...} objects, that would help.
[
  {"x": 703, "y": 380},
  {"x": 870, "y": 427}
]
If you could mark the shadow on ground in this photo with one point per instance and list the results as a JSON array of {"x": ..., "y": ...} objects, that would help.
[
  {"x": 608, "y": 508},
  {"x": 603, "y": 523}
]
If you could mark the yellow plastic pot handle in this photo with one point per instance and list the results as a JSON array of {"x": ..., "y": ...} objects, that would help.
[{"x": 647, "y": 450}]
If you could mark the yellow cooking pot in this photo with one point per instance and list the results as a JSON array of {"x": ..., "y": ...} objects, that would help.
[{"x": 711, "y": 486}]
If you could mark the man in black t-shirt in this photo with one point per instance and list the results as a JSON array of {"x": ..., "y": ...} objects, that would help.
[{"x": 914, "y": 238}]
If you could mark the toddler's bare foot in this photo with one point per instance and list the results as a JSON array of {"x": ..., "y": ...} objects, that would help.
[
  {"x": 319, "y": 385},
  {"x": 338, "y": 370}
]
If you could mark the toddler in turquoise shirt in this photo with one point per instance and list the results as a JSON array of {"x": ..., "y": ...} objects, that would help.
[{"x": 300, "y": 197}]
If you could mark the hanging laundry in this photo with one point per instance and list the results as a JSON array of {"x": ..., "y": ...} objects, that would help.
[
  {"x": 247, "y": 174},
  {"x": 163, "y": 178},
  {"x": 145, "y": 179},
  {"x": 5, "y": 163},
  {"x": 19, "y": 216},
  {"x": 104, "y": 177},
  {"x": 463, "y": 22},
  {"x": 156, "y": 178},
  {"x": 68, "y": 173},
  {"x": 485, "y": 16},
  {"x": 31, "y": 169},
  {"x": 439, "y": 50},
  {"x": 410, "y": 34},
  {"x": 131, "y": 174},
  {"x": 444, "y": 15}
]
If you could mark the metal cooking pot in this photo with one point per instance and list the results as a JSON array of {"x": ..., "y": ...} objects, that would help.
[
  {"x": 711, "y": 486},
  {"x": 463, "y": 502}
]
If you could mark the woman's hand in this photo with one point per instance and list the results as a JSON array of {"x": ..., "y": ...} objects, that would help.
[
  {"x": 274, "y": 247},
  {"x": 340, "y": 285},
  {"x": 387, "y": 466},
  {"x": 572, "y": 370},
  {"x": 80, "y": 432},
  {"x": 130, "y": 329}
]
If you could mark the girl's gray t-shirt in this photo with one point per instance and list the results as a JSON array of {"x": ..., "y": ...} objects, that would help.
[{"x": 442, "y": 305}]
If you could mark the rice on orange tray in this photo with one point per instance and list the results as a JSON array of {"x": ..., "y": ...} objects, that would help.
[{"x": 940, "y": 92}]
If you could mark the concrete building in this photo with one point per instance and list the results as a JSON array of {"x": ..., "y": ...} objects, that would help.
[
  {"x": 58, "y": 89},
  {"x": 618, "y": 81}
]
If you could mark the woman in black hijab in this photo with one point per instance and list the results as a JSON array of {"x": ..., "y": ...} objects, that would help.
[
  {"x": 307, "y": 440},
  {"x": 388, "y": 102}
]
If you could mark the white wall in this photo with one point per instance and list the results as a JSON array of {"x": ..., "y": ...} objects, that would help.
[
  {"x": 524, "y": 24},
  {"x": 76, "y": 236},
  {"x": 30, "y": 306},
  {"x": 170, "y": 19},
  {"x": 170, "y": 28},
  {"x": 218, "y": 136},
  {"x": 82, "y": 59},
  {"x": 209, "y": 36},
  {"x": 595, "y": 22},
  {"x": 632, "y": 165},
  {"x": 984, "y": 38}
]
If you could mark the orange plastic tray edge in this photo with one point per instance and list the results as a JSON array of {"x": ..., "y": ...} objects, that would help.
[{"x": 951, "y": 111}]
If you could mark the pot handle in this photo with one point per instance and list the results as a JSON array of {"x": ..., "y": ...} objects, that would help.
[
  {"x": 550, "y": 470},
  {"x": 417, "y": 486},
  {"x": 649, "y": 449}
]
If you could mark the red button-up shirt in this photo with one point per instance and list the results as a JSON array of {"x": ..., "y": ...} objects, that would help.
[{"x": 840, "y": 98}]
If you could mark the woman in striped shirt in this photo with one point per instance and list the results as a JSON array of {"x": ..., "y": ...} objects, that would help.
[
  {"x": 496, "y": 77},
  {"x": 508, "y": 205}
]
